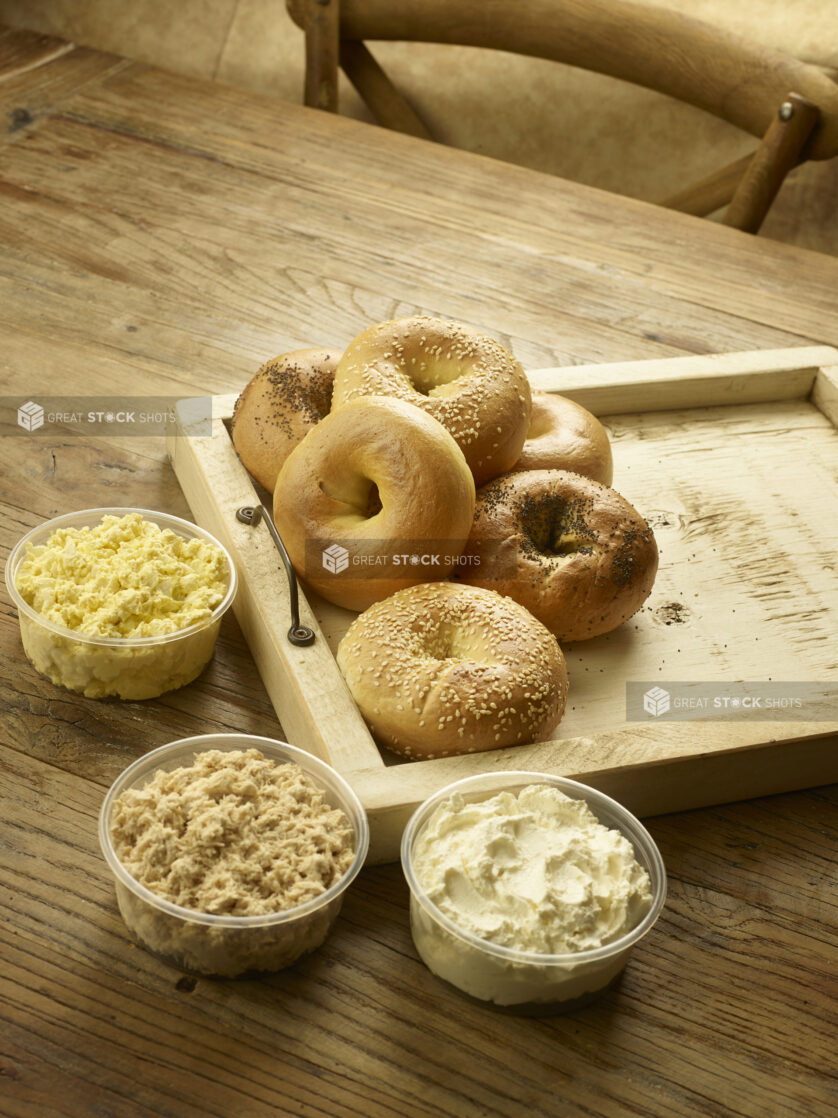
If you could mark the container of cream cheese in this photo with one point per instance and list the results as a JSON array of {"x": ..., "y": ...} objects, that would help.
[{"x": 529, "y": 891}]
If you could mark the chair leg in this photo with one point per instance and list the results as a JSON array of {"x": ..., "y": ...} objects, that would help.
[
  {"x": 712, "y": 193},
  {"x": 382, "y": 98},
  {"x": 778, "y": 153},
  {"x": 320, "y": 20}
]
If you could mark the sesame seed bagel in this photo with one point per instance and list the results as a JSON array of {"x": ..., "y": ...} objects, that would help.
[
  {"x": 573, "y": 551},
  {"x": 562, "y": 435},
  {"x": 386, "y": 486},
  {"x": 279, "y": 406},
  {"x": 440, "y": 668},
  {"x": 465, "y": 379}
]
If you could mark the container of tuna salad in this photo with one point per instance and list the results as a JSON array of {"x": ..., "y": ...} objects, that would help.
[
  {"x": 528, "y": 891},
  {"x": 231, "y": 853}
]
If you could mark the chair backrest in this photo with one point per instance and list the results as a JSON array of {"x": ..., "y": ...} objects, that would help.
[{"x": 791, "y": 105}]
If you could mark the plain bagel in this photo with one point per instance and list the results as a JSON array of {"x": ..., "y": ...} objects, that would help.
[
  {"x": 465, "y": 379},
  {"x": 574, "y": 552},
  {"x": 440, "y": 668},
  {"x": 375, "y": 498},
  {"x": 287, "y": 397},
  {"x": 564, "y": 436}
]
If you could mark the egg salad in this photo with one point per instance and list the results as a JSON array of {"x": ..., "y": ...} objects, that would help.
[
  {"x": 125, "y": 577},
  {"x": 126, "y": 589}
]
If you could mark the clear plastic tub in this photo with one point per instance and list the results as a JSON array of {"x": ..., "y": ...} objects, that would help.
[
  {"x": 125, "y": 667},
  {"x": 230, "y": 946},
  {"x": 517, "y": 981}
]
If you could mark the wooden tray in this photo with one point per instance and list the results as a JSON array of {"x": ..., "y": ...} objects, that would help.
[{"x": 733, "y": 458}]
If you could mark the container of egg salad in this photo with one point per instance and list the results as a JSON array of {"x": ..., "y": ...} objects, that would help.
[{"x": 120, "y": 602}]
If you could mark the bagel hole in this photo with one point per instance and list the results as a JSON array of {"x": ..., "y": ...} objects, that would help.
[
  {"x": 555, "y": 527},
  {"x": 449, "y": 642},
  {"x": 359, "y": 493},
  {"x": 441, "y": 646},
  {"x": 564, "y": 545},
  {"x": 374, "y": 505},
  {"x": 428, "y": 378}
]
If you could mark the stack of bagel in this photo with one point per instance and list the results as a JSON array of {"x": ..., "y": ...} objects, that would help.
[{"x": 416, "y": 478}]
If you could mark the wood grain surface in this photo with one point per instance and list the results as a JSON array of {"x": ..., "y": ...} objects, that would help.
[{"x": 162, "y": 235}]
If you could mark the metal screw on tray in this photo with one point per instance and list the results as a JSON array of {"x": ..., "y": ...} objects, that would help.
[{"x": 298, "y": 634}]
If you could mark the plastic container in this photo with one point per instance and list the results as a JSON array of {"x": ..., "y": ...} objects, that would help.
[
  {"x": 125, "y": 667},
  {"x": 229, "y": 945},
  {"x": 517, "y": 981}
]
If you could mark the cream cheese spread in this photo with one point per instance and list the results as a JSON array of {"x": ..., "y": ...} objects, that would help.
[
  {"x": 534, "y": 872},
  {"x": 542, "y": 887}
]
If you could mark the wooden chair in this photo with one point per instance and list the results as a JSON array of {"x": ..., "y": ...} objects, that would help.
[{"x": 791, "y": 106}]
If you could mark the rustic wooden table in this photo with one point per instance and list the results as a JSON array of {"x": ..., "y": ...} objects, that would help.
[{"x": 164, "y": 236}]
